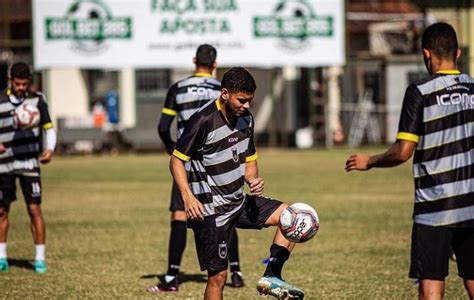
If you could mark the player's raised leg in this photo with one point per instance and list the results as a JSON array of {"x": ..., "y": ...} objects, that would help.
[{"x": 272, "y": 283}]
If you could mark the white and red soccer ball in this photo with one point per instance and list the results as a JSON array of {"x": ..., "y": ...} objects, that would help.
[
  {"x": 299, "y": 222},
  {"x": 26, "y": 116}
]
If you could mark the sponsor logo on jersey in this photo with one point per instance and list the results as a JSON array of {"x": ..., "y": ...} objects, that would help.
[{"x": 455, "y": 98}]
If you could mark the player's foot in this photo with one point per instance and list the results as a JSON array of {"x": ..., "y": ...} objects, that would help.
[
  {"x": 237, "y": 280},
  {"x": 164, "y": 286},
  {"x": 278, "y": 288},
  {"x": 40, "y": 266},
  {"x": 4, "y": 267}
]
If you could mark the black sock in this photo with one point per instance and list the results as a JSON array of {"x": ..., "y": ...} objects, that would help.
[
  {"x": 177, "y": 244},
  {"x": 278, "y": 256},
  {"x": 234, "y": 252}
]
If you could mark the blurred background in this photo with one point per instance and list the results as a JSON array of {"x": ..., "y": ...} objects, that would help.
[{"x": 329, "y": 72}]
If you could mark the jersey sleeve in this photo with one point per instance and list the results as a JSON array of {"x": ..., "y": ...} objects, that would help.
[
  {"x": 170, "y": 107},
  {"x": 411, "y": 118},
  {"x": 45, "y": 118},
  {"x": 252, "y": 151},
  {"x": 192, "y": 138}
]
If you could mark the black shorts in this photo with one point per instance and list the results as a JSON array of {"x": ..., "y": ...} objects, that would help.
[
  {"x": 176, "y": 200},
  {"x": 211, "y": 241},
  {"x": 431, "y": 248},
  {"x": 30, "y": 186}
]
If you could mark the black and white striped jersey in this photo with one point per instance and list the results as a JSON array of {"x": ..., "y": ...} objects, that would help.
[
  {"x": 22, "y": 147},
  {"x": 216, "y": 153},
  {"x": 187, "y": 96},
  {"x": 438, "y": 114}
]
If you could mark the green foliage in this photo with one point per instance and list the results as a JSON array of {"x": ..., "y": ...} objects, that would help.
[{"x": 108, "y": 225}]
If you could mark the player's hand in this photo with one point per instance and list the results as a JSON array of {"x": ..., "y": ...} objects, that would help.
[
  {"x": 193, "y": 208},
  {"x": 46, "y": 156},
  {"x": 359, "y": 162},
  {"x": 256, "y": 186},
  {"x": 2, "y": 148}
]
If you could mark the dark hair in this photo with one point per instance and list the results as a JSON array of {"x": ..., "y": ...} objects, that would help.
[
  {"x": 20, "y": 70},
  {"x": 441, "y": 39},
  {"x": 205, "y": 55},
  {"x": 238, "y": 79}
]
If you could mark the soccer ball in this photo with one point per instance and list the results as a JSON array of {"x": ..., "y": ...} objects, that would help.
[
  {"x": 26, "y": 116},
  {"x": 299, "y": 222}
]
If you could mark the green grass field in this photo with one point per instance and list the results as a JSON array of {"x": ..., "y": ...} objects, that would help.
[{"x": 108, "y": 225}]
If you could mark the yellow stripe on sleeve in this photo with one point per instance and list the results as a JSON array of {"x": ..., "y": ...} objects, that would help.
[
  {"x": 168, "y": 111},
  {"x": 406, "y": 136},
  {"x": 48, "y": 125},
  {"x": 181, "y": 155},
  {"x": 251, "y": 157}
]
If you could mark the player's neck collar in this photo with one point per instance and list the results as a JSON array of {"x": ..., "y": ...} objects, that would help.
[
  {"x": 218, "y": 104},
  {"x": 202, "y": 74},
  {"x": 13, "y": 98},
  {"x": 448, "y": 72}
]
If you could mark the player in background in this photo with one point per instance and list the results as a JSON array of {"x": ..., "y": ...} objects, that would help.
[
  {"x": 436, "y": 125},
  {"x": 21, "y": 152},
  {"x": 213, "y": 159},
  {"x": 184, "y": 98}
]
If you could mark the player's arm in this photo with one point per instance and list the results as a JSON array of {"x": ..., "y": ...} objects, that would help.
[
  {"x": 191, "y": 139},
  {"x": 256, "y": 184},
  {"x": 409, "y": 131},
  {"x": 168, "y": 114},
  {"x": 193, "y": 208},
  {"x": 398, "y": 153},
  {"x": 50, "y": 137}
]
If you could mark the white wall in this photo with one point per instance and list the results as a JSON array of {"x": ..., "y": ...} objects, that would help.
[
  {"x": 127, "y": 98},
  {"x": 396, "y": 84},
  {"x": 66, "y": 93}
]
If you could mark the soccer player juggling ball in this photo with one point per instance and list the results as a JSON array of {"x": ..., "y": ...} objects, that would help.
[
  {"x": 436, "y": 125},
  {"x": 21, "y": 152},
  {"x": 184, "y": 98},
  {"x": 218, "y": 146}
]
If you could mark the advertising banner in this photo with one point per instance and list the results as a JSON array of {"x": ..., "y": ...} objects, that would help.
[{"x": 165, "y": 33}]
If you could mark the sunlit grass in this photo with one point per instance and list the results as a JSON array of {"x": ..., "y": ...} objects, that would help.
[{"x": 108, "y": 225}]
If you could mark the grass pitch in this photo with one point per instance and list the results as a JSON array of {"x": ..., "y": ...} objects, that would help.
[{"x": 108, "y": 225}]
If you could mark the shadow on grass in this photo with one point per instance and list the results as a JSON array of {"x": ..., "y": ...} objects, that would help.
[
  {"x": 183, "y": 277},
  {"x": 20, "y": 263}
]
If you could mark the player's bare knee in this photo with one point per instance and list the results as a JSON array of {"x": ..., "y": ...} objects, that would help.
[
  {"x": 275, "y": 216},
  {"x": 34, "y": 211},
  {"x": 217, "y": 278}
]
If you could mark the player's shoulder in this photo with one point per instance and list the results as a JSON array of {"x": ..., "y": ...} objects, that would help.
[
  {"x": 213, "y": 81},
  {"x": 36, "y": 94},
  {"x": 246, "y": 121},
  {"x": 4, "y": 96},
  {"x": 206, "y": 112}
]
